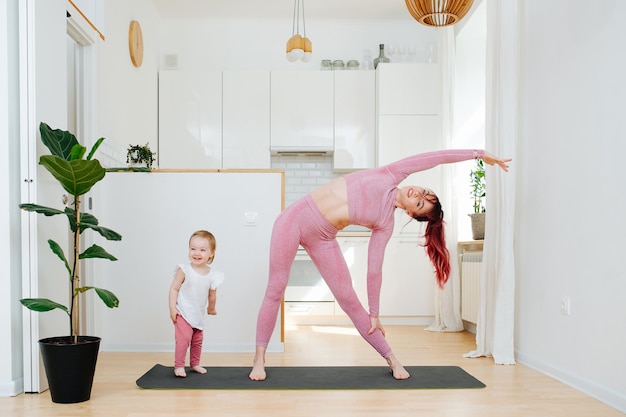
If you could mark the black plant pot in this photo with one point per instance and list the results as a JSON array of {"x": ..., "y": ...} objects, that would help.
[{"x": 70, "y": 367}]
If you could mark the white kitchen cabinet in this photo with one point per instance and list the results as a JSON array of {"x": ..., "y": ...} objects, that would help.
[
  {"x": 302, "y": 114},
  {"x": 354, "y": 251},
  {"x": 408, "y": 88},
  {"x": 405, "y": 135},
  {"x": 408, "y": 280},
  {"x": 408, "y": 277},
  {"x": 409, "y": 100},
  {"x": 190, "y": 120},
  {"x": 246, "y": 119},
  {"x": 355, "y": 120}
]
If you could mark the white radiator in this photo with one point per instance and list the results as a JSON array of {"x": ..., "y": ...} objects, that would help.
[{"x": 471, "y": 265}]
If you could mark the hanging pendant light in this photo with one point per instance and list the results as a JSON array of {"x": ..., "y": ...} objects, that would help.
[
  {"x": 298, "y": 47},
  {"x": 437, "y": 13}
]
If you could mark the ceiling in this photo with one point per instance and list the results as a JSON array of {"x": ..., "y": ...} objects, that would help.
[{"x": 283, "y": 9}]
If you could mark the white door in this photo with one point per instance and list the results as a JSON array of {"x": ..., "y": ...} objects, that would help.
[{"x": 58, "y": 97}]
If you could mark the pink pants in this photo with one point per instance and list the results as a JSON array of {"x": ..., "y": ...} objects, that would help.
[
  {"x": 187, "y": 337},
  {"x": 303, "y": 224}
]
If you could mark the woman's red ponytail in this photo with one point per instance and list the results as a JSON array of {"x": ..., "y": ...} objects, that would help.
[{"x": 435, "y": 243}]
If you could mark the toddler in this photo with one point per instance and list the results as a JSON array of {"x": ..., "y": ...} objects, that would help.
[{"x": 192, "y": 293}]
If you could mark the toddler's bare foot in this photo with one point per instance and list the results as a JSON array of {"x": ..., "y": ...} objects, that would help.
[
  {"x": 396, "y": 368},
  {"x": 198, "y": 369},
  {"x": 180, "y": 372}
]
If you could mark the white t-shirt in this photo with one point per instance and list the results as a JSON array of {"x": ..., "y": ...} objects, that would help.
[{"x": 193, "y": 295}]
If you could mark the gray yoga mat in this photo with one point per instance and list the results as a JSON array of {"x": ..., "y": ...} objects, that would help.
[{"x": 311, "y": 378}]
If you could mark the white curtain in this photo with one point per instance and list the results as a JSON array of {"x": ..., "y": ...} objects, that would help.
[
  {"x": 448, "y": 300},
  {"x": 495, "y": 327}
]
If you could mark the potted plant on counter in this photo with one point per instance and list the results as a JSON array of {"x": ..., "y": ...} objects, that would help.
[
  {"x": 477, "y": 192},
  {"x": 140, "y": 155},
  {"x": 70, "y": 361}
]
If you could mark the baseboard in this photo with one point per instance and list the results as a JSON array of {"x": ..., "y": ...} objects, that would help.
[
  {"x": 606, "y": 395},
  {"x": 206, "y": 347},
  {"x": 11, "y": 388},
  {"x": 343, "y": 320},
  {"x": 469, "y": 326}
]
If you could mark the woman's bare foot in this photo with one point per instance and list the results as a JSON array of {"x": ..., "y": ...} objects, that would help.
[
  {"x": 258, "y": 373},
  {"x": 180, "y": 372},
  {"x": 198, "y": 369},
  {"x": 258, "y": 365},
  {"x": 396, "y": 368}
]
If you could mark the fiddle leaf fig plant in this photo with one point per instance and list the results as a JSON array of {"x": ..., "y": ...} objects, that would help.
[
  {"x": 77, "y": 174},
  {"x": 477, "y": 183}
]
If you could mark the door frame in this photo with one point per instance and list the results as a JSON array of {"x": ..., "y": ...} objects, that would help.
[{"x": 34, "y": 379}]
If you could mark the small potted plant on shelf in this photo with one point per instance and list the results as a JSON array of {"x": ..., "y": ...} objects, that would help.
[
  {"x": 477, "y": 192},
  {"x": 140, "y": 155},
  {"x": 70, "y": 361}
]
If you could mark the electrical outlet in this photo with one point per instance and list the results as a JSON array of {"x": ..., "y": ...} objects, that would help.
[
  {"x": 565, "y": 305},
  {"x": 250, "y": 218}
]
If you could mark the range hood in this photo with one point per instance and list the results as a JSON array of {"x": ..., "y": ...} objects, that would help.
[{"x": 301, "y": 150}]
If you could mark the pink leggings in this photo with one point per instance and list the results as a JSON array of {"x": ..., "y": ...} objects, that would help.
[
  {"x": 303, "y": 224},
  {"x": 187, "y": 337}
]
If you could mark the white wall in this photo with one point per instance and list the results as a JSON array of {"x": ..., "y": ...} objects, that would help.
[
  {"x": 127, "y": 96},
  {"x": 570, "y": 198},
  {"x": 155, "y": 221},
  {"x": 10, "y": 285},
  {"x": 260, "y": 44}
]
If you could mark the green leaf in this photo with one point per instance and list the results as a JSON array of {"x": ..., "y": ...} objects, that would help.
[
  {"x": 76, "y": 176},
  {"x": 478, "y": 184},
  {"x": 42, "y": 304},
  {"x": 77, "y": 152},
  {"x": 88, "y": 221},
  {"x": 109, "y": 299},
  {"x": 95, "y": 251},
  {"x": 47, "y": 211},
  {"x": 58, "y": 251},
  {"x": 71, "y": 216},
  {"x": 108, "y": 234},
  {"x": 94, "y": 148},
  {"x": 59, "y": 142}
]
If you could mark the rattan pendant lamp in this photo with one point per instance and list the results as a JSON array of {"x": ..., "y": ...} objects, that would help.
[
  {"x": 437, "y": 13},
  {"x": 299, "y": 47}
]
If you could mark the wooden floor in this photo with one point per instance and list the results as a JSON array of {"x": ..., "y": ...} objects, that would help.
[{"x": 512, "y": 390}]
